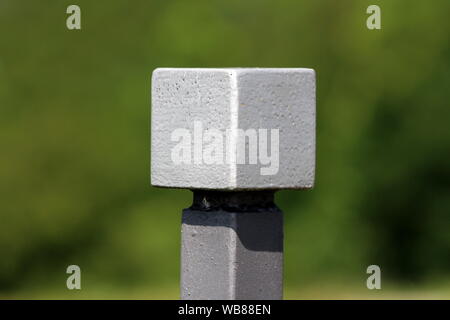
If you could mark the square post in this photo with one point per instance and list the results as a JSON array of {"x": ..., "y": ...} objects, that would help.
[
  {"x": 233, "y": 137},
  {"x": 232, "y": 246}
]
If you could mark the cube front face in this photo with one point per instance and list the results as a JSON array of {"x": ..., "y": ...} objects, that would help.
[
  {"x": 184, "y": 101},
  {"x": 233, "y": 129}
]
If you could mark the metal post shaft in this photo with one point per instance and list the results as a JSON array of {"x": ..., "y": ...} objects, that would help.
[{"x": 232, "y": 246}]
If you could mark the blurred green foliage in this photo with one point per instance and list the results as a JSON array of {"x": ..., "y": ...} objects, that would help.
[{"x": 74, "y": 136}]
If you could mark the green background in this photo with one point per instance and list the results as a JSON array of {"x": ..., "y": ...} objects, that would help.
[{"x": 74, "y": 138}]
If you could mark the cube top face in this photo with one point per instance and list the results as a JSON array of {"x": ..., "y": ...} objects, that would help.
[{"x": 233, "y": 129}]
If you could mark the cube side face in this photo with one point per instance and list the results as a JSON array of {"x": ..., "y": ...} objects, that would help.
[
  {"x": 282, "y": 103},
  {"x": 186, "y": 103}
]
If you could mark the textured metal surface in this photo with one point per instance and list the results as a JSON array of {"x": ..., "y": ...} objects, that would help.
[
  {"x": 232, "y": 99},
  {"x": 232, "y": 236},
  {"x": 232, "y": 247}
]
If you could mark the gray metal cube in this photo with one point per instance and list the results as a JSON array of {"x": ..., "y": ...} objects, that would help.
[{"x": 233, "y": 129}]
